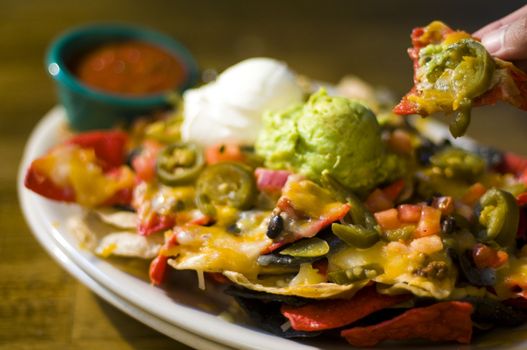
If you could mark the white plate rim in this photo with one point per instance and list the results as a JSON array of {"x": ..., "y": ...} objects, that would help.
[{"x": 143, "y": 316}]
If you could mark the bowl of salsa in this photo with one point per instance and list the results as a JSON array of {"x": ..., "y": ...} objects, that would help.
[{"x": 107, "y": 74}]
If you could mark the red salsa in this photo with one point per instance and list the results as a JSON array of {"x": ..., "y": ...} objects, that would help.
[{"x": 129, "y": 67}]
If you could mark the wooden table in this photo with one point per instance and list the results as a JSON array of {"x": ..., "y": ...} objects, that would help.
[{"x": 42, "y": 306}]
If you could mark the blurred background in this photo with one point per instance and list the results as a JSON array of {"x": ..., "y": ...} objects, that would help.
[{"x": 41, "y": 306}]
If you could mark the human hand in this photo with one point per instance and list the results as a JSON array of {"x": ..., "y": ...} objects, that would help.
[{"x": 506, "y": 38}]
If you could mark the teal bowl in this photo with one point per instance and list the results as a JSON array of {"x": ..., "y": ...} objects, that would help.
[{"x": 88, "y": 108}]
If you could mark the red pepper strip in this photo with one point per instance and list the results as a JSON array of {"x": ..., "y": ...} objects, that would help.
[
  {"x": 306, "y": 227},
  {"x": 273, "y": 246},
  {"x": 109, "y": 146},
  {"x": 394, "y": 189},
  {"x": 310, "y": 229},
  {"x": 43, "y": 185},
  {"x": 268, "y": 180},
  {"x": 511, "y": 88},
  {"x": 522, "y": 199},
  {"x": 157, "y": 270},
  {"x": 144, "y": 164},
  {"x": 328, "y": 314},
  {"x": 155, "y": 223},
  {"x": 440, "y": 322},
  {"x": 121, "y": 197}
]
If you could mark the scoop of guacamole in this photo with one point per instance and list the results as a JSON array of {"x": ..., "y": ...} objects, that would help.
[{"x": 333, "y": 133}]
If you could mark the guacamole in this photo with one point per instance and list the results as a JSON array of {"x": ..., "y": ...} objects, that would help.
[{"x": 333, "y": 133}]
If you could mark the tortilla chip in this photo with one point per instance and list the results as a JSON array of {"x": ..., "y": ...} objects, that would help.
[
  {"x": 420, "y": 287},
  {"x": 130, "y": 245},
  {"x": 118, "y": 218},
  {"x": 328, "y": 314},
  {"x": 103, "y": 239},
  {"x": 314, "y": 291},
  {"x": 439, "y": 322}
]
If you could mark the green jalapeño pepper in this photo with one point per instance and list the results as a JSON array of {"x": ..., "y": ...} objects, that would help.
[
  {"x": 307, "y": 248},
  {"x": 179, "y": 163},
  {"x": 462, "y": 70},
  {"x": 230, "y": 184},
  {"x": 355, "y": 235},
  {"x": 500, "y": 216},
  {"x": 459, "y": 164},
  {"x": 364, "y": 232}
]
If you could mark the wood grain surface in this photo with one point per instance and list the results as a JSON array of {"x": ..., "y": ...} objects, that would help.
[{"x": 42, "y": 306}]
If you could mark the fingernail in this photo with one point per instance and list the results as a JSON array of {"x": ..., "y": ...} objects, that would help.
[{"x": 493, "y": 41}]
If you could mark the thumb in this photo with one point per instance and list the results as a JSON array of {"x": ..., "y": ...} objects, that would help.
[{"x": 508, "y": 42}]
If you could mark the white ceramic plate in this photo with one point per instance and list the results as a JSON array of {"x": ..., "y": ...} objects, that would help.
[
  {"x": 160, "y": 325},
  {"x": 180, "y": 311}
]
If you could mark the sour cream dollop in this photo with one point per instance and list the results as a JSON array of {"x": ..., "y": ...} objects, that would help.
[{"x": 230, "y": 109}]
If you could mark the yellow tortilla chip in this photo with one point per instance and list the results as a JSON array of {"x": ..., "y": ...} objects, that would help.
[
  {"x": 118, "y": 218},
  {"x": 104, "y": 239},
  {"x": 314, "y": 291}
]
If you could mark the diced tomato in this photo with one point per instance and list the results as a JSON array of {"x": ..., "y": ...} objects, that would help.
[
  {"x": 272, "y": 181},
  {"x": 429, "y": 223},
  {"x": 224, "y": 152},
  {"x": 409, "y": 213},
  {"x": 109, "y": 146},
  {"x": 388, "y": 219},
  {"x": 439, "y": 322},
  {"x": 485, "y": 256},
  {"x": 473, "y": 194},
  {"x": 328, "y": 314},
  {"x": 144, "y": 164},
  {"x": 157, "y": 270},
  {"x": 378, "y": 201}
]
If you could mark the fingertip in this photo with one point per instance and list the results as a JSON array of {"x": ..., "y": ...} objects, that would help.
[{"x": 493, "y": 41}]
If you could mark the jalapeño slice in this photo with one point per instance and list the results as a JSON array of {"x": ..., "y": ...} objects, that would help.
[
  {"x": 179, "y": 163},
  {"x": 230, "y": 184}
]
